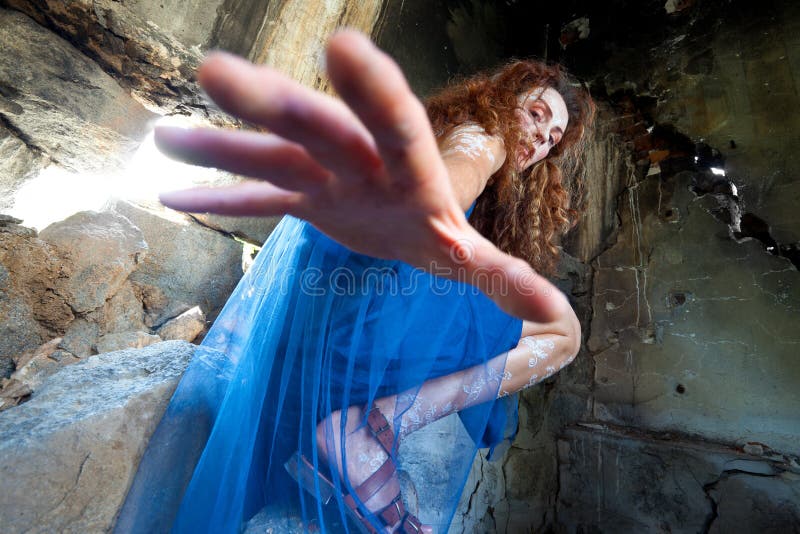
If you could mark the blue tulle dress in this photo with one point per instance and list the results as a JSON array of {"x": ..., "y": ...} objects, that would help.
[{"x": 312, "y": 328}]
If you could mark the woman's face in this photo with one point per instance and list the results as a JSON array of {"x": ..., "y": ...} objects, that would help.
[{"x": 544, "y": 119}]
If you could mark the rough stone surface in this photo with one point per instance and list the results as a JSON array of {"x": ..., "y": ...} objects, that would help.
[
  {"x": 274, "y": 521},
  {"x": 620, "y": 482},
  {"x": 80, "y": 337},
  {"x": 18, "y": 162},
  {"x": 191, "y": 22},
  {"x": 66, "y": 108},
  {"x": 124, "y": 340},
  {"x": 33, "y": 367},
  {"x": 12, "y": 392},
  {"x": 141, "y": 56},
  {"x": 68, "y": 455},
  {"x": 428, "y": 60},
  {"x": 756, "y": 502},
  {"x": 290, "y": 35},
  {"x": 123, "y": 312},
  {"x": 607, "y": 171},
  {"x": 7, "y": 366},
  {"x": 668, "y": 302},
  {"x": 252, "y": 230},
  {"x": 104, "y": 249},
  {"x": 187, "y": 326},
  {"x": 32, "y": 308},
  {"x": 186, "y": 266}
]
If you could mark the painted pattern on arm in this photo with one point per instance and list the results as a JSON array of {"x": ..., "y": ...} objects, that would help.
[
  {"x": 534, "y": 359},
  {"x": 471, "y": 140}
]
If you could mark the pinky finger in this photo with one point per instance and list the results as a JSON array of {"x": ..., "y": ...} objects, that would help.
[{"x": 243, "y": 199}]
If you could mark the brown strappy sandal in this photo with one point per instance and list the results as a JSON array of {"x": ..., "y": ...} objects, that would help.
[{"x": 394, "y": 515}]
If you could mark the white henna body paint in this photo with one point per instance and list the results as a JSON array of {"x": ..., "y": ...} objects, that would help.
[
  {"x": 541, "y": 349},
  {"x": 471, "y": 140},
  {"x": 374, "y": 461}
]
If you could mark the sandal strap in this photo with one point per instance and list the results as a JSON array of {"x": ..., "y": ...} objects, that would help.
[
  {"x": 374, "y": 483},
  {"x": 380, "y": 428},
  {"x": 392, "y": 513},
  {"x": 411, "y": 525}
]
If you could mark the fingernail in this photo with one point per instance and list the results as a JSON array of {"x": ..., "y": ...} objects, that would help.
[{"x": 166, "y": 197}]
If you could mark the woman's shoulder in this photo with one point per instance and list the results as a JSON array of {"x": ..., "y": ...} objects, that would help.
[{"x": 471, "y": 139}]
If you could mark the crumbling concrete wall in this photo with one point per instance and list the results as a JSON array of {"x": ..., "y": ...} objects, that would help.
[{"x": 680, "y": 413}]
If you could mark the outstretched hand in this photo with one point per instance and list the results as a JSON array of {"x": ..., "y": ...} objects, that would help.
[{"x": 366, "y": 171}]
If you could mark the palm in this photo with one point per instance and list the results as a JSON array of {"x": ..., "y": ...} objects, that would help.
[{"x": 367, "y": 172}]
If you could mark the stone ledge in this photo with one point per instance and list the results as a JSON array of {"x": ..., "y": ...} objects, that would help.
[{"x": 68, "y": 455}]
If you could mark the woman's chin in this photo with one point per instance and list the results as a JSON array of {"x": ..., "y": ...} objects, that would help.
[{"x": 523, "y": 164}]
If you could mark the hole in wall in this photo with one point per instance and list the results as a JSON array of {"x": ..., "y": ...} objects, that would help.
[
  {"x": 671, "y": 215},
  {"x": 677, "y": 299},
  {"x": 753, "y": 226}
]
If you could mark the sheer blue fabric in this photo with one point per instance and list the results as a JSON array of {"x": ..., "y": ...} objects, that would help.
[{"x": 313, "y": 328}]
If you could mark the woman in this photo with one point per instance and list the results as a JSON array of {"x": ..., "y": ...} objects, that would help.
[{"x": 325, "y": 358}]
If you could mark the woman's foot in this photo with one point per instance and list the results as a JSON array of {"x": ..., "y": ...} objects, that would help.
[{"x": 367, "y": 449}]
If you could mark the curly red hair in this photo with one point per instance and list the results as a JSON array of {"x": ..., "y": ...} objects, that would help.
[{"x": 524, "y": 214}]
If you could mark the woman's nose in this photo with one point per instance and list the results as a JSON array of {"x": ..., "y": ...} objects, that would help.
[{"x": 541, "y": 135}]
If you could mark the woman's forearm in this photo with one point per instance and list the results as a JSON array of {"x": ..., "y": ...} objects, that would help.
[{"x": 534, "y": 359}]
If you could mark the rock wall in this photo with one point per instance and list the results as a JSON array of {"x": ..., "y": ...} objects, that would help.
[{"x": 83, "y": 286}]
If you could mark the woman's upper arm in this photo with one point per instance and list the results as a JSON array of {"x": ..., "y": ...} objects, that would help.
[{"x": 471, "y": 157}]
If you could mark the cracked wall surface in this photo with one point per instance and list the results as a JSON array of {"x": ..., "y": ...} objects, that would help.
[
  {"x": 693, "y": 338},
  {"x": 615, "y": 480},
  {"x": 693, "y": 331}
]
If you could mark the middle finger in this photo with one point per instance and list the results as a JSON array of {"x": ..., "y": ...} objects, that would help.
[{"x": 325, "y": 127}]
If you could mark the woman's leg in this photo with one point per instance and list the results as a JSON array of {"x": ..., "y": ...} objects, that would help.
[{"x": 531, "y": 361}]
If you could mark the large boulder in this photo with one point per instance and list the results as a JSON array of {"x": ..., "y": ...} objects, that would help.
[
  {"x": 123, "y": 40},
  {"x": 61, "y": 103},
  {"x": 68, "y": 455},
  {"x": 104, "y": 248},
  {"x": 187, "y": 265}
]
